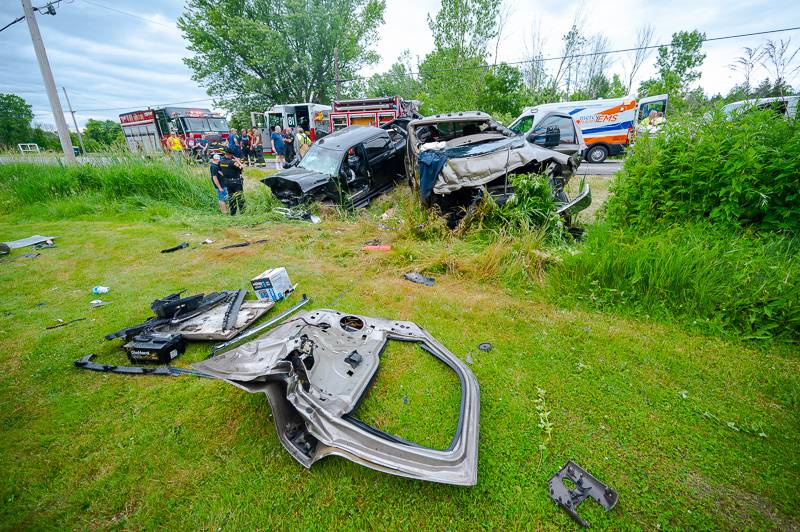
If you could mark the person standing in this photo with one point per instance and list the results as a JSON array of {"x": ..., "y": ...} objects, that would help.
[
  {"x": 231, "y": 168},
  {"x": 277, "y": 147},
  {"x": 258, "y": 146},
  {"x": 246, "y": 140},
  {"x": 288, "y": 145},
  {"x": 202, "y": 149},
  {"x": 303, "y": 141},
  {"x": 175, "y": 147},
  {"x": 216, "y": 179},
  {"x": 235, "y": 143}
]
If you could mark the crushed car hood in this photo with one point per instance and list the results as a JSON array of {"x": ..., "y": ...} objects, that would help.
[
  {"x": 482, "y": 168},
  {"x": 314, "y": 370},
  {"x": 297, "y": 180}
]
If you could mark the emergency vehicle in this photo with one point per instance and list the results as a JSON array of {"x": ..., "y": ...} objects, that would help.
[
  {"x": 312, "y": 117},
  {"x": 146, "y": 131},
  {"x": 606, "y": 124},
  {"x": 371, "y": 111}
]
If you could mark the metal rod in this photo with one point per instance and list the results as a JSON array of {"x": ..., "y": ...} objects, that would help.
[
  {"x": 77, "y": 130},
  {"x": 256, "y": 330}
]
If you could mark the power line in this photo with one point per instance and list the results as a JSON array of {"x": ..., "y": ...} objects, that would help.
[
  {"x": 98, "y": 4},
  {"x": 591, "y": 54},
  {"x": 20, "y": 19},
  {"x": 144, "y": 105}
]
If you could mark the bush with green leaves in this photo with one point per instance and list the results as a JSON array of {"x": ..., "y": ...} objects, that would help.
[
  {"x": 532, "y": 206},
  {"x": 735, "y": 172}
]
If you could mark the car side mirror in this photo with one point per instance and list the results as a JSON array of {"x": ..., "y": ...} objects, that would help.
[{"x": 552, "y": 137}]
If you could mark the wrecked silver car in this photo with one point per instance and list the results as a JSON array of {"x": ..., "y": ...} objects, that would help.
[
  {"x": 315, "y": 369},
  {"x": 453, "y": 159}
]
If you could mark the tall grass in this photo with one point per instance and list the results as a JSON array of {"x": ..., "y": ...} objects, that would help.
[
  {"x": 118, "y": 184},
  {"x": 123, "y": 179},
  {"x": 736, "y": 282}
]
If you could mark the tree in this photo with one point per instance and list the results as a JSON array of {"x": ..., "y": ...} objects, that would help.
[
  {"x": 397, "y": 81},
  {"x": 15, "y": 120},
  {"x": 102, "y": 134},
  {"x": 256, "y": 53},
  {"x": 644, "y": 38},
  {"x": 452, "y": 74},
  {"x": 778, "y": 57},
  {"x": 746, "y": 63},
  {"x": 678, "y": 67},
  {"x": 503, "y": 94}
]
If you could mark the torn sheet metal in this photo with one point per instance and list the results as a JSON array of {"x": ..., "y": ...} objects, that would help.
[
  {"x": 210, "y": 325},
  {"x": 314, "y": 370},
  {"x": 30, "y": 241}
]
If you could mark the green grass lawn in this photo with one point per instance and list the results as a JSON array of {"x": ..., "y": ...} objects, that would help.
[{"x": 693, "y": 431}]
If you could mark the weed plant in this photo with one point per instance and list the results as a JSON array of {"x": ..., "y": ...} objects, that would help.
[{"x": 734, "y": 172}]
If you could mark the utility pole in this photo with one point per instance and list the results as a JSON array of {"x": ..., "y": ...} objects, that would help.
[
  {"x": 336, "y": 70},
  {"x": 49, "y": 82},
  {"x": 77, "y": 130}
]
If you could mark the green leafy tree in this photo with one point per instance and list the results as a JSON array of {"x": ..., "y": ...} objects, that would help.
[
  {"x": 452, "y": 74},
  {"x": 15, "y": 120},
  {"x": 397, "y": 81},
  {"x": 503, "y": 94},
  {"x": 255, "y": 53},
  {"x": 100, "y": 134},
  {"x": 678, "y": 67}
]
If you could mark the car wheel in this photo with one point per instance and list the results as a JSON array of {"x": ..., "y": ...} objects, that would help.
[{"x": 597, "y": 154}]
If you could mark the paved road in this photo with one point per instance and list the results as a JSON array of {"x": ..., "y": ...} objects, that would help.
[{"x": 608, "y": 167}]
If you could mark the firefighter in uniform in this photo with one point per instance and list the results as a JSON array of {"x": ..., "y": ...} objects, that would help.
[{"x": 231, "y": 169}]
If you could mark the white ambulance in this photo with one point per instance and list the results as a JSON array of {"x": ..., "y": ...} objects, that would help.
[{"x": 606, "y": 124}]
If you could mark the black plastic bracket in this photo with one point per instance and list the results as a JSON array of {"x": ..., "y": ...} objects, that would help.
[{"x": 585, "y": 486}]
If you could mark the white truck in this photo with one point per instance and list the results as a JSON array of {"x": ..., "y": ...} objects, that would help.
[{"x": 606, "y": 124}]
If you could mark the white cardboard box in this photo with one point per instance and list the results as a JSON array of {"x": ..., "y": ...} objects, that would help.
[{"x": 273, "y": 284}]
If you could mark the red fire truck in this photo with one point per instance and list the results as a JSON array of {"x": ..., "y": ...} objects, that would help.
[
  {"x": 371, "y": 111},
  {"x": 146, "y": 131}
]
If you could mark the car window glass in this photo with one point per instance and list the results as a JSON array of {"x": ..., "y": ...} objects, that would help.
[
  {"x": 541, "y": 129},
  {"x": 567, "y": 129},
  {"x": 523, "y": 125},
  {"x": 376, "y": 147}
]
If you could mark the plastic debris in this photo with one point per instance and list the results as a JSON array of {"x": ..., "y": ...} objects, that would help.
[
  {"x": 182, "y": 245},
  {"x": 418, "y": 278}
]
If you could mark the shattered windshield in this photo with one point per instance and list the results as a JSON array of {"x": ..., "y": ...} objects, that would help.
[
  {"x": 484, "y": 147},
  {"x": 324, "y": 161}
]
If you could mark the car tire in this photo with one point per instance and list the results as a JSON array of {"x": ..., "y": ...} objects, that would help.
[{"x": 596, "y": 154}]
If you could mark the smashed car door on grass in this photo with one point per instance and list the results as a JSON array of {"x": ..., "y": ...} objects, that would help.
[{"x": 317, "y": 367}]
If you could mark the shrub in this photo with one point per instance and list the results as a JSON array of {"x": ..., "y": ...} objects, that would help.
[
  {"x": 734, "y": 172},
  {"x": 745, "y": 283},
  {"x": 531, "y": 208}
]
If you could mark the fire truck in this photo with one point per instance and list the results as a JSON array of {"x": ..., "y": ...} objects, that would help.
[
  {"x": 146, "y": 131},
  {"x": 371, "y": 111},
  {"x": 312, "y": 117}
]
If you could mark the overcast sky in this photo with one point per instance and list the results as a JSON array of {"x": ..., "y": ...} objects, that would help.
[{"x": 109, "y": 60}]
